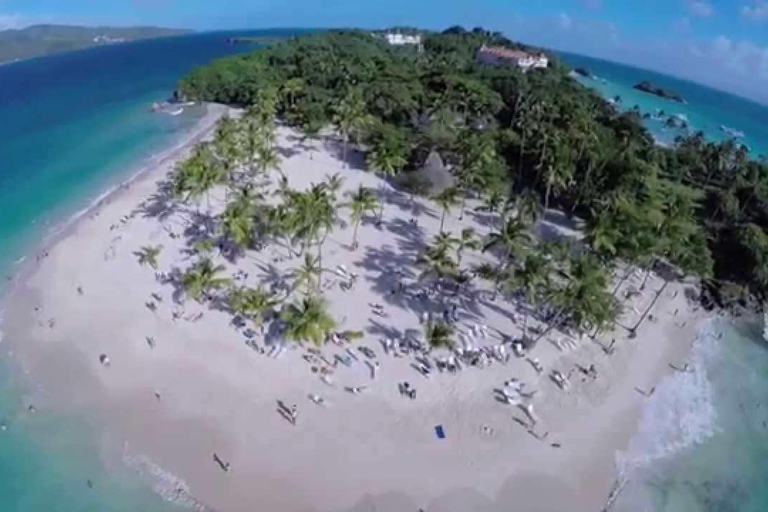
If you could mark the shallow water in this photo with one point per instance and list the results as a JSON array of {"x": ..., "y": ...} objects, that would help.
[
  {"x": 703, "y": 440},
  {"x": 73, "y": 125}
]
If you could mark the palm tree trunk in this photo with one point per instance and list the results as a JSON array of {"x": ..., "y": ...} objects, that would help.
[
  {"x": 442, "y": 220},
  {"x": 463, "y": 206},
  {"x": 354, "y": 235},
  {"x": 344, "y": 150},
  {"x": 634, "y": 329},
  {"x": 525, "y": 324},
  {"x": 647, "y": 275},
  {"x": 555, "y": 321},
  {"x": 500, "y": 271},
  {"x": 381, "y": 206},
  {"x": 546, "y": 196}
]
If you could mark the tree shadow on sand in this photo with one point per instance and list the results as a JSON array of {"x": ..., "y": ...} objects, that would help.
[
  {"x": 162, "y": 204},
  {"x": 355, "y": 158}
]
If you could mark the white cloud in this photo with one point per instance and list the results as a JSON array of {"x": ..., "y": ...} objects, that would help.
[
  {"x": 565, "y": 21},
  {"x": 701, "y": 8},
  {"x": 756, "y": 12},
  {"x": 11, "y": 21}
]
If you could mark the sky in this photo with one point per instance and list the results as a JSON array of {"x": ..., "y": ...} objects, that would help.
[{"x": 721, "y": 43}]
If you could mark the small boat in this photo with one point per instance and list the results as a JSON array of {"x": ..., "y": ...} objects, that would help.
[{"x": 176, "y": 112}]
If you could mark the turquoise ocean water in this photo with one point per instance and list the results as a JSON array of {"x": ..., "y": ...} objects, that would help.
[
  {"x": 71, "y": 126},
  {"x": 75, "y": 124},
  {"x": 706, "y": 109},
  {"x": 702, "y": 444}
]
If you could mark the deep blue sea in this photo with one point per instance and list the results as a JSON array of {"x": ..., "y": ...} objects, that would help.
[{"x": 73, "y": 125}]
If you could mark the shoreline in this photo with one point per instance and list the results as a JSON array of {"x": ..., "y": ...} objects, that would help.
[
  {"x": 22, "y": 266},
  {"x": 204, "y": 384}
]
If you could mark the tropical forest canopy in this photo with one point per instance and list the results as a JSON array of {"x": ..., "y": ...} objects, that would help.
[{"x": 506, "y": 134}]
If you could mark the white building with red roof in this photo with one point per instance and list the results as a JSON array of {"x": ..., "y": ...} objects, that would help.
[{"x": 500, "y": 56}]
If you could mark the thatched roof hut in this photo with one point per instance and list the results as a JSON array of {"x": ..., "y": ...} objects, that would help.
[{"x": 430, "y": 179}]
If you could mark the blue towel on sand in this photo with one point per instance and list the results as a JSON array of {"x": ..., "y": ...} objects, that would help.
[{"x": 439, "y": 432}]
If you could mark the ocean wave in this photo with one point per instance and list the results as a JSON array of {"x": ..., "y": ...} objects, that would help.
[
  {"x": 164, "y": 483},
  {"x": 681, "y": 413}
]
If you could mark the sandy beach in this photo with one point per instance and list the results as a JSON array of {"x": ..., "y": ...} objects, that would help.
[{"x": 200, "y": 390}]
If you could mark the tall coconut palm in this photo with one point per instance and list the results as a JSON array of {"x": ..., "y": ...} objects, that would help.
[
  {"x": 203, "y": 278},
  {"x": 439, "y": 334},
  {"x": 528, "y": 208},
  {"x": 361, "y": 202},
  {"x": 197, "y": 175},
  {"x": 148, "y": 255},
  {"x": 291, "y": 89},
  {"x": 388, "y": 161},
  {"x": 466, "y": 241},
  {"x": 532, "y": 278},
  {"x": 238, "y": 221},
  {"x": 436, "y": 262},
  {"x": 584, "y": 299},
  {"x": 308, "y": 275},
  {"x": 349, "y": 115},
  {"x": 307, "y": 320},
  {"x": 447, "y": 199},
  {"x": 252, "y": 303},
  {"x": 513, "y": 239}
]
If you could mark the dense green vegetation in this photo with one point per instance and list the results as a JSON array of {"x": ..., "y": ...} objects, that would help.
[
  {"x": 523, "y": 142},
  {"x": 40, "y": 40}
]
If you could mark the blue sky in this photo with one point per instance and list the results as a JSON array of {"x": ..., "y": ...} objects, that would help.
[{"x": 722, "y": 43}]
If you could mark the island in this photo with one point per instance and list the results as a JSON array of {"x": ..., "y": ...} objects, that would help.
[
  {"x": 658, "y": 91},
  {"x": 41, "y": 40},
  {"x": 585, "y": 72},
  {"x": 348, "y": 277}
]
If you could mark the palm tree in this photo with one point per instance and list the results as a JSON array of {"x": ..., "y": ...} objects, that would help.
[
  {"x": 195, "y": 176},
  {"x": 308, "y": 274},
  {"x": 466, "y": 241},
  {"x": 252, "y": 303},
  {"x": 528, "y": 208},
  {"x": 333, "y": 183},
  {"x": 436, "y": 261},
  {"x": 307, "y": 320},
  {"x": 203, "y": 278},
  {"x": 532, "y": 278},
  {"x": 447, "y": 199},
  {"x": 292, "y": 88},
  {"x": 238, "y": 222},
  {"x": 439, "y": 334},
  {"x": 512, "y": 238},
  {"x": 387, "y": 160},
  {"x": 148, "y": 255},
  {"x": 584, "y": 298},
  {"x": 362, "y": 201},
  {"x": 349, "y": 116}
]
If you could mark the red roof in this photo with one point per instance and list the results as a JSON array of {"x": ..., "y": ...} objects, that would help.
[{"x": 506, "y": 53}]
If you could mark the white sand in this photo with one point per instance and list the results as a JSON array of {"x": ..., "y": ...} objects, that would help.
[{"x": 376, "y": 451}]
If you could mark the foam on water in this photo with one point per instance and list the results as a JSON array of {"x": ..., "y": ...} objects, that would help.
[
  {"x": 164, "y": 483},
  {"x": 681, "y": 413}
]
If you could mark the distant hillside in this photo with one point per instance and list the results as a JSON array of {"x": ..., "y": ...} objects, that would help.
[{"x": 39, "y": 40}]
